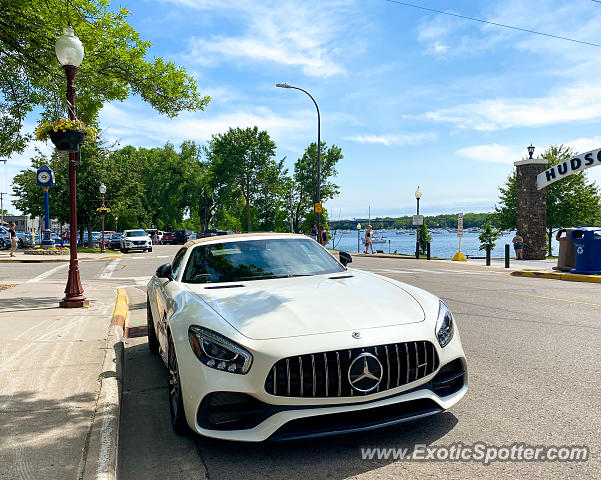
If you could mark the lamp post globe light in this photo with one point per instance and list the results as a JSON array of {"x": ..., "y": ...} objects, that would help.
[
  {"x": 358, "y": 238},
  {"x": 69, "y": 52},
  {"x": 418, "y": 195},
  {"x": 102, "y": 190},
  {"x": 318, "y": 186}
]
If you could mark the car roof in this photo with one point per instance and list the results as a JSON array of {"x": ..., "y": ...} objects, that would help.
[{"x": 243, "y": 236}]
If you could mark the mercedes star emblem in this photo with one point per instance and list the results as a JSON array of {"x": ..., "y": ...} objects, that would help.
[{"x": 365, "y": 372}]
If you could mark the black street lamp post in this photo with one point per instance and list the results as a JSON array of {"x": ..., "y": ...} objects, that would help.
[{"x": 318, "y": 186}]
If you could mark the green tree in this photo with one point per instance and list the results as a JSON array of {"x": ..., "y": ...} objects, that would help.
[
  {"x": 95, "y": 168},
  {"x": 241, "y": 161},
  {"x": 423, "y": 237},
  {"x": 114, "y": 66},
  {"x": 571, "y": 201},
  {"x": 488, "y": 235},
  {"x": 304, "y": 183}
]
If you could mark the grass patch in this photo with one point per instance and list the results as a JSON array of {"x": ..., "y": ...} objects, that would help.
[{"x": 94, "y": 250}]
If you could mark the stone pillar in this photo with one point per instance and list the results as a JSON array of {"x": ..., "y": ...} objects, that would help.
[{"x": 531, "y": 207}]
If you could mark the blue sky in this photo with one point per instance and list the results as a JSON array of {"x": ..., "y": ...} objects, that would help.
[{"x": 412, "y": 97}]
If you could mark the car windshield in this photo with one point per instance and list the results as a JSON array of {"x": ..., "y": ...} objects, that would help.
[
  {"x": 135, "y": 233},
  {"x": 257, "y": 260}
]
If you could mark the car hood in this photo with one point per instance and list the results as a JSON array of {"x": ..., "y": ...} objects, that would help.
[{"x": 278, "y": 308}]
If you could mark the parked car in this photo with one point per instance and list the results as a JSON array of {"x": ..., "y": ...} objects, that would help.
[
  {"x": 115, "y": 241},
  {"x": 182, "y": 236},
  {"x": 4, "y": 242},
  {"x": 167, "y": 238},
  {"x": 135, "y": 240},
  {"x": 159, "y": 235},
  {"x": 26, "y": 239},
  {"x": 234, "y": 320},
  {"x": 211, "y": 232}
]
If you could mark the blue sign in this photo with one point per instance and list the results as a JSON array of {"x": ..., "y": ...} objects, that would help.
[{"x": 45, "y": 176}]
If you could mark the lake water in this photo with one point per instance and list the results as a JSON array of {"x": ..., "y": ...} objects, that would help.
[{"x": 443, "y": 244}]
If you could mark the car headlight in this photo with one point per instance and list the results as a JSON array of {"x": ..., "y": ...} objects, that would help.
[
  {"x": 218, "y": 352},
  {"x": 444, "y": 325}
]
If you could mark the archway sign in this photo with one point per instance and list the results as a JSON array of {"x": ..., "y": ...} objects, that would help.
[{"x": 569, "y": 167}]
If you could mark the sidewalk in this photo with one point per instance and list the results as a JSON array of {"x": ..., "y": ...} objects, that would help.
[
  {"x": 517, "y": 268},
  {"x": 21, "y": 257},
  {"x": 58, "y": 384}
]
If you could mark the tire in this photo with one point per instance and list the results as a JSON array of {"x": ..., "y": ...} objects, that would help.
[
  {"x": 20, "y": 243},
  {"x": 153, "y": 342},
  {"x": 150, "y": 249},
  {"x": 174, "y": 389}
]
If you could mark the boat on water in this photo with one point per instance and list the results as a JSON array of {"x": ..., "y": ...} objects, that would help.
[{"x": 376, "y": 240}]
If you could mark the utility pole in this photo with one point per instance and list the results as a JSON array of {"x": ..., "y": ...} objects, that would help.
[
  {"x": 2, "y": 205},
  {"x": 3, "y": 193}
]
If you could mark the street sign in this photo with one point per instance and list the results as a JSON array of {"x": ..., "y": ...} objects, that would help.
[
  {"x": 318, "y": 208},
  {"x": 569, "y": 167},
  {"x": 418, "y": 219},
  {"x": 460, "y": 225}
]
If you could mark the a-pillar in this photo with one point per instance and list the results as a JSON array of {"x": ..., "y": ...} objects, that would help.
[{"x": 531, "y": 205}]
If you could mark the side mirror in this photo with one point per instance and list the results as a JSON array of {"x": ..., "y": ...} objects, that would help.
[
  {"x": 165, "y": 271},
  {"x": 345, "y": 258}
]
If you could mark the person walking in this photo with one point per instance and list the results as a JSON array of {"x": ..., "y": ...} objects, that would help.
[
  {"x": 12, "y": 238},
  {"x": 314, "y": 232},
  {"x": 368, "y": 238},
  {"x": 518, "y": 246},
  {"x": 324, "y": 236}
]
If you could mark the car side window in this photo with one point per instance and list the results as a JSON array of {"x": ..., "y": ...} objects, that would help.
[{"x": 177, "y": 261}]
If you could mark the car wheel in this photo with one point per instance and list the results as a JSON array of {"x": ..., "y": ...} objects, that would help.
[
  {"x": 153, "y": 342},
  {"x": 20, "y": 243},
  {"x": 150, "y": 249},
  {"x": 176, "y": 404}
]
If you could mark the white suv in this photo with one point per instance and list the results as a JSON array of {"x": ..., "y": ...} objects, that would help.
[{"x": 135, "y": 240}]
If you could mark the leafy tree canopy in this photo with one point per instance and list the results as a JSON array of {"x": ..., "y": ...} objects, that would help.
[{"x": 114, "y": 66}]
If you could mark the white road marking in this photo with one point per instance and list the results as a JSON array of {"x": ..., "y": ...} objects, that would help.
[
  {"x": 110, "y": 268},
  {"x": 44, "y": 275},
  {"x": 163, "y": 256}
]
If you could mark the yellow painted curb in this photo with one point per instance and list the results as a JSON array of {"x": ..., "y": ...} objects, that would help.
[
  {"x": 569, "y": 277},
  {"x": 120, "y": 309}
]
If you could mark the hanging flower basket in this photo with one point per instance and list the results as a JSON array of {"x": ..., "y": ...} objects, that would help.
[
  {"x": 67, "y": 135},
  {"x": 68, "y": 140}
]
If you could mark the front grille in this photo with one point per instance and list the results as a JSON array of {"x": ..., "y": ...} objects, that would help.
[
  {"x": 325, "y": 374},
  {"x": 139, "y": 242}
]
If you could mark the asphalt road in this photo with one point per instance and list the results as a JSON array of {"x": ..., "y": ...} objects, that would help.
[{"x": 533, "y": 352}]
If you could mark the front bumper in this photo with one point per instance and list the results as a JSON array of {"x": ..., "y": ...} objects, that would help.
[{"x": 270, "y": 417}]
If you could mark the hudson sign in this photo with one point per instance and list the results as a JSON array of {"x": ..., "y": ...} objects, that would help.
[{"x": 569, "y": 167}]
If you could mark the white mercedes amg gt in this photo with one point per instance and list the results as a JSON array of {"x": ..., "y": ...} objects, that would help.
[{"x": 268, "y": 336}]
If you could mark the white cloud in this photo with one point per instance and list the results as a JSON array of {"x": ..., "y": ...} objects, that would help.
[
  {"x": 571, "y": 104},
  {"x": 492, "y": 153},
  {"x": 582, "y": 145},
  {"x": 127, "y": 124},
  {"x": 440, "y": 48},
  {"x": 284, "y": 32},
  {"x": 388, "y": 140}
]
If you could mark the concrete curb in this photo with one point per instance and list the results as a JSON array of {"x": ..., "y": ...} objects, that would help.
[
  {"x": 100, "y": 453},
  {"x": 120, "y": 310},
  {"x": 35, "y": 259},
  {"x": 569, "y": 277}
]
